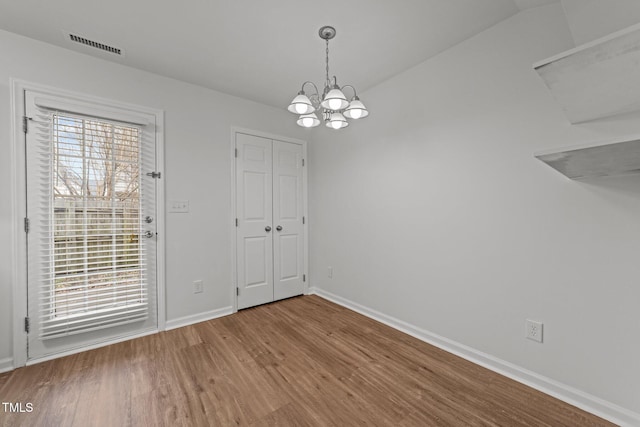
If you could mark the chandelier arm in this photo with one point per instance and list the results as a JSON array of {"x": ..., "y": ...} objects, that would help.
[
  {"x": 312, "y": 84},
  {"x": 355, "y": 94},
  {"x": 314, "y": 97}
]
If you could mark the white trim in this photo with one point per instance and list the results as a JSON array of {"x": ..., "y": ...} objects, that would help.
[
  {"x": 92, "y": 346},
  {"x": 236, "y": 129},
  {"x": 232, "y": 221},
  {"x": 18, "y": 201},
  {"x": 6, "y": 364},
  {"x": 233, "y": 213},
  {"x": 160, "y": 223},
  {"x": 305, "y": 199},
  {"x": 18, "y": 211},
  {"x": 573, "y": 396},
  {"x": 84, "y": 108},
  {"x": 197, "y": 318}
]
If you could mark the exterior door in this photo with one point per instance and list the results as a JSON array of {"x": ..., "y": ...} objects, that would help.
[
  {"x": 91, "y": 232},
  {"x": 270, "y": 223}
]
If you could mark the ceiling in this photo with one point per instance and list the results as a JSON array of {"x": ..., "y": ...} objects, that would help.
[
  {"x": 261, "y": 50},
  {"x": 591, "y": 19}
]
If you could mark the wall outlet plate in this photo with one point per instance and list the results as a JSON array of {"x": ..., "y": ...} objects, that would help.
[
  {"x": 198, "y": 287},
  {"x": 533, "y": 330}
]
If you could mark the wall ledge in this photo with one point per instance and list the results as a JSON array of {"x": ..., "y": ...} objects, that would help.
[{"x": 570, "y": 395}]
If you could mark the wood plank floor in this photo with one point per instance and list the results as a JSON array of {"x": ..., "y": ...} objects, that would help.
[{"x": 299, "y": 362}]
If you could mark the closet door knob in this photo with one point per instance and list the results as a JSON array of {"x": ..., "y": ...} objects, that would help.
[
  {"x": 279, "y": 228},
  {"x": 267, "y": 229}
]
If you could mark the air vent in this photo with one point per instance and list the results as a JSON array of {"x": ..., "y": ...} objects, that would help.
[{"x": 94, "y": 44}]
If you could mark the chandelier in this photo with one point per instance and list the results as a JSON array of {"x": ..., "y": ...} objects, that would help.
[{"x": 333, "y": 104}]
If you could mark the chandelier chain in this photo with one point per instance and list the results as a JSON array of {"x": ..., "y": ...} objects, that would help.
[{"x": 328, "y": 81}]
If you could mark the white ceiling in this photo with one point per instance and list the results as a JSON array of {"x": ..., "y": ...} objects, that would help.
[
  {"x": 592, "y": 19},
  {"x": 261, "y": 50},
  {"x": 528, "y": 4}
]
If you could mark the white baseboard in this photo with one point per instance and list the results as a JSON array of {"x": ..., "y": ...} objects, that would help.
[
  {"x": 197, "y": 318},
  {"x": 573, "y": 396},
  {"x": 6, "y": 364}
]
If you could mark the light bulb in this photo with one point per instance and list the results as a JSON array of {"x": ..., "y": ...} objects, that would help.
[
  {"x": 356, "y": 113},
  {"x": 336, "y": 124},
  {"x": 334, "y": 100},
  {"x": 334, "y": 104},
  {"x": 356, "y": 109},
  {"x": 308, "y": 120},
  {"x": 300, "y": 104}
]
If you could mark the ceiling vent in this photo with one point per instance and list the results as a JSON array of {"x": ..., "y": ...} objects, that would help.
[{"x": 97, "y": 45}]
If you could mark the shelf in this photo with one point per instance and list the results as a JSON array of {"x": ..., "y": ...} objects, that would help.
[
  {"x": 598, "y": 79},
  {"x": 596, "y": 160}
]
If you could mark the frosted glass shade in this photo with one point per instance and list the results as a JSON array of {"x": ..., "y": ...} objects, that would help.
[
  {"x": 335, "y": 100},
  {"x": 308, "y": 120},
  {"x": 356, "y": 110},
  {"x": 337, "y": 121},
  {"x": 301, "y": 104}
]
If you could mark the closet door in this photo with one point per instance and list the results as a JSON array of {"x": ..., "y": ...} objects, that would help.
[
  {"x": 254, "y": 233},
  {"x": 270, "y": 223},
  {"x": 288, "y": 233}
]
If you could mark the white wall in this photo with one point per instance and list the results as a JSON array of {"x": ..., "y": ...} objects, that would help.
[
  {"x": 434, "y": 211},
  {"x": 197, "y": 140}
]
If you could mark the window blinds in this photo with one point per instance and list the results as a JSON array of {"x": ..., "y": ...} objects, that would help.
[{"x": 89, "y": 258}]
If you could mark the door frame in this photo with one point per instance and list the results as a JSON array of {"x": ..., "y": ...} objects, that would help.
[
  {"x": 19, "y": 205},
  {"x": 233, "y": 208}
]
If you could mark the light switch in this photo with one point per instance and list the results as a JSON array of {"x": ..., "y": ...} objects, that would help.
[{"x": 179, "y": 206}]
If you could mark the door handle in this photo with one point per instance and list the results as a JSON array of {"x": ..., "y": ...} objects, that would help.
[
  {"x": 279, "y": 228},
  {"x": 267, "y": 229}
]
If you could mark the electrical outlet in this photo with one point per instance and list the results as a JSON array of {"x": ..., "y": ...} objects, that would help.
[
  {"x": 533, "y": 330},
  {"x": 198, "y": 287},
  {"x": 330, "y": 272}
]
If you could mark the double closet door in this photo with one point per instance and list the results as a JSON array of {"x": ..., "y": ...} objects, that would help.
[{"x": 270, "y": 221}]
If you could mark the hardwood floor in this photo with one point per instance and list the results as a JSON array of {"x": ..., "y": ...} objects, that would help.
[{"x": 300, "y": 362}]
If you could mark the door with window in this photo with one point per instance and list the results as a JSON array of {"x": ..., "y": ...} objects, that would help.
[
  {"x": 270, "y": 223},
  {"x": 91, "y": 209}
]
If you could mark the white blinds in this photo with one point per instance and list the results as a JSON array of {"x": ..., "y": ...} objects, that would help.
[{"x": 88, "y": 257}]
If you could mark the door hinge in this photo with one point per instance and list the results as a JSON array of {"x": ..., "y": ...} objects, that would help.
[
  {"x": 154, "y": 174},
  {"x": 27, "y": 224},
  {"x": 25, "y": 123},
  {"x": 304, "y": 277},
  {"x": 237, "y": 292},
  {"x": 236, "y": 222},
  {"x": 236, "y": 153},
  {"x": 27, "y": 325},
  {"x": 302, "y": 162},
  {"x": 303, "y": 220}
]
